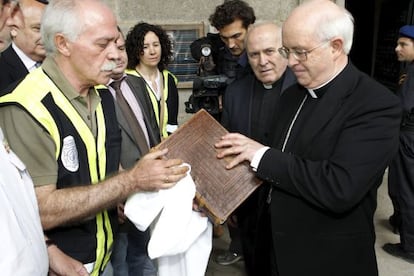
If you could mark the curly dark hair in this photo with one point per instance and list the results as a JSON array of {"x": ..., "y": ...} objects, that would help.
[
  {"x": 134, "y": 44},
  {"x": 229, "y": 11}
]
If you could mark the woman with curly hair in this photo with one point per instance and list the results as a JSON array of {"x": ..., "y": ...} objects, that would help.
[{"x": 149, "y": 51}]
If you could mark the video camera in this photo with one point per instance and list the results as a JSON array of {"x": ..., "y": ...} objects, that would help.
[
  {"x": 208, "y": 85},
  {"x": 206, "y": 92}
]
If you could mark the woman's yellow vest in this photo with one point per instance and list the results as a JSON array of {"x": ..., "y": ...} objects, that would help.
[{"x": 159, "y": 105}]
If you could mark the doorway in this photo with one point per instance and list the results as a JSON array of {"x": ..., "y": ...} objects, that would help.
[{"x": 376, "y": 32}]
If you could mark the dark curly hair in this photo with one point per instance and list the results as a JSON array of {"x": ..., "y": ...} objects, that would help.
[
  {"x": 229, "y": 11},
  {"x": 134, "y": 44}
]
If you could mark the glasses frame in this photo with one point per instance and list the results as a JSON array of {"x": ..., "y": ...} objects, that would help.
[{"x": 299, "y": 55}]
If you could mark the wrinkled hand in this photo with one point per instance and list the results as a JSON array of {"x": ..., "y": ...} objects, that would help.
[
  {"x": 238, "y": 146},
  {"x": 154, "y": 172},
  {"x": 61, "y": 264}
]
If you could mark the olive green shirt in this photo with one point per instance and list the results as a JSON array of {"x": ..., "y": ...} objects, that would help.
[{"x": 28, "y": 139}]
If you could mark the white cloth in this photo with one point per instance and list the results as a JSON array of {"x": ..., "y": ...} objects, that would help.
[
  {"x": 22, "y": 244},
  {"x": 181, "y": 239}
]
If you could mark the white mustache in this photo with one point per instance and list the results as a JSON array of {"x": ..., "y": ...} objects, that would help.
[{"x": 109, "y": 66}]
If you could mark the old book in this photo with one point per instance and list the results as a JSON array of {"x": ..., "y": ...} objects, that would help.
[{"x": 218, "y": 191}]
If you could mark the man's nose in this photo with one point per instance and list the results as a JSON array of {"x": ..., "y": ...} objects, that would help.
[
  {"x": 113, "y": 52},
  {"x": 292, "y": 60},
  {"x": 262, "y": 59},
  {"x": 232, "y": 43}
]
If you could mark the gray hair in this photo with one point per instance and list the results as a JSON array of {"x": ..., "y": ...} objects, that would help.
[
  {"x": 337, "y": 24},
  {"x": 60, "y": 16},
  {"x": 278, "y": 34}
]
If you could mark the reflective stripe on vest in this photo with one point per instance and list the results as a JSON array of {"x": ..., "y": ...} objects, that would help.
[{"x": 29, "y": 94}]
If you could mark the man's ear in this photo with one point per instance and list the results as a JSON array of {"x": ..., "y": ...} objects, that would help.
[
  {"x": 13, "y": 32},
  {"x": 337, "y": 45},
  {"x": 62, "y": 44}
]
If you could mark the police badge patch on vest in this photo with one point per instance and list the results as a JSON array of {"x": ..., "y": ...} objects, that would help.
[{"x": 70, "y": 154}]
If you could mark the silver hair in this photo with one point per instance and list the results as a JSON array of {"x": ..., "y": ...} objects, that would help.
[
  {"x": 60, "y": 16},
  {"x": 337, "y": 24}
]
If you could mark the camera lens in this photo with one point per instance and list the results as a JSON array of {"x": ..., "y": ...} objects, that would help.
[{"x": 206, "y": 50}]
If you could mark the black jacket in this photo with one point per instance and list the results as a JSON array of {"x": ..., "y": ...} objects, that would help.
[{"x": 12, "y": 68}]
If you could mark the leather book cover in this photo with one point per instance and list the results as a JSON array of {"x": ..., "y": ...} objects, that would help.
[{"x": 218, "y": 191}]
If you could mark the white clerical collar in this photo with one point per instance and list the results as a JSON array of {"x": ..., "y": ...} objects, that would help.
[
  {"x": 267, "y": 86},
  {"x": 270, "y": 86},
  {"x": 312, "y": 90},
  {"x": 312, "y": 93}
]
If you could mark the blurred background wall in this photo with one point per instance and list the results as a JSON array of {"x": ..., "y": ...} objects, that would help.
[{"x": 376, "y": 27}]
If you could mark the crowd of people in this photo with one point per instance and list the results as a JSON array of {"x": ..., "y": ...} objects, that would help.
[{"x": 83, "y": 106}]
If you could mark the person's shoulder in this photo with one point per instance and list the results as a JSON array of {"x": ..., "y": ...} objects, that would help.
[
  {"x": 376, "y": 86},
  {"x": 170, "y": 76},
  {"x": 243, "y": 80},
  {"x": 373, "y": 92},
  {"x": 136, "y": 83},
  {"x": 14, "y": 114},
  {"x": 168, "y": 72},
  {"x": 8, "y": 51},
  {"x": 8, "y": 56},
  {"x": 289, "y": 79},
  {"x": 240, "y": 85},
  {"x": 9, "y": 88},
  {"x": 133, "y": 76}
]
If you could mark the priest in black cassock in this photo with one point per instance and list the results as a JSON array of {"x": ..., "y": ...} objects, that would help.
[
  {"x": 335, "y": 133},
  {"x": 249, "y": 108}
]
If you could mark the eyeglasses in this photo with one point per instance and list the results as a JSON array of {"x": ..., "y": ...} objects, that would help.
[{"x": 300, "y": 55}]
